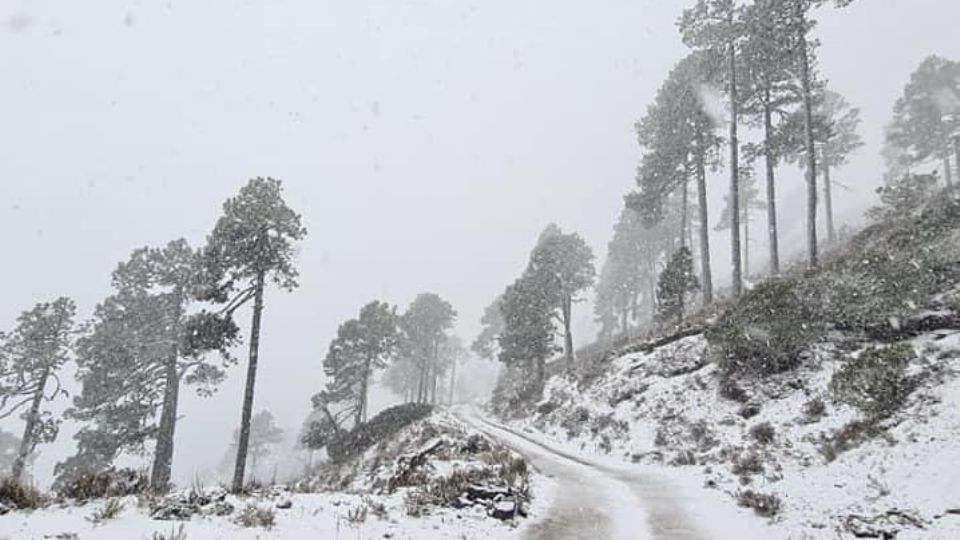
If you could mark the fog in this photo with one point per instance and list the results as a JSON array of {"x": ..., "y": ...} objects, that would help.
[{"x": 425, "y": 143}]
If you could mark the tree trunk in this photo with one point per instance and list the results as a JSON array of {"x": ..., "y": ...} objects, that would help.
[
  {"x": 734, "y": 176},
  {"x": 947, "y": 174},
  {"x": 956, "y": 152},
  {"x": 364, "y": 385},
  {"x": 244, "y": 441},
  {"x": 812, "y": 250},
  {"x": 29, "y": 430},
  {"x": 453, "y": 379},
  {"x": 771, "y": 187},
  {"x": 746, "y": 244},
  {"x": 567, "y": 308},
  {"x": 163, "y": 454},
  {"x": 684, "y": 214},
  {"x": 706, "y": 275},
  {"x": 828, "y": 199}
]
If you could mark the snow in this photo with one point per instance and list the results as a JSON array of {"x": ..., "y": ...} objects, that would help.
[
  {"x": 317, "y": 514},
  {"x": 670, "y": 396}
]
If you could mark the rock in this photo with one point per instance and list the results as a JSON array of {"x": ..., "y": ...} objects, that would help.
[
  {"x": 4, "y": 509},
  {"x": 504, "y": 510},
  {"x": 285, "y": 504},
  {"x": 954, "y": 511},
  {"x": 749, "y": 410},
  {"x": 217, "y": 494},
  {"x": 478, "y": 492},
  {"x": 462, "y": 502},
  {"x": 173, "y": 510},
  {"x": 221, "y": 508}
]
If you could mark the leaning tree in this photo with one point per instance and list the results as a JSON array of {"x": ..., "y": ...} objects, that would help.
[{"x": 31, "y": 358}]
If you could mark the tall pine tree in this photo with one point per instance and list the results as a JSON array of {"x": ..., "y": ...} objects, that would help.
[{"x": 253, "y": 241}]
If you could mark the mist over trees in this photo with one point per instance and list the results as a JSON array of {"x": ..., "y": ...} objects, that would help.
[{"x": 746, "y": 100}]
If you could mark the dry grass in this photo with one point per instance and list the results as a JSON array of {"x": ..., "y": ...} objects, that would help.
[
  {"x": 20, "y": 496},
  {"x": 255, "y": 516},
  {"x": 110, "y": 510}
]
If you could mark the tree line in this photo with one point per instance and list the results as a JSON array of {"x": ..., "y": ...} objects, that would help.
[
  {"x": 168, "y": 322},
  {"x": 414, "y": 349},
  {"x": 751, "y": 66}
]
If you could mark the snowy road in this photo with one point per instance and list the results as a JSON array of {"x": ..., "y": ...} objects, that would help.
[{"x": 602, "y": 499}]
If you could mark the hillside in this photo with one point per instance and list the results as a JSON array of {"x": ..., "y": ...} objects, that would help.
[
  {"x": 435, "y": 478},
  {"x": 827, "y": 402}
]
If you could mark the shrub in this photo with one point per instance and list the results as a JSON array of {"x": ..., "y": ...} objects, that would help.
[
  {"x": 763, "y": 433},
  {"x": 875, "y": 381},
  {"x": 110, "y": 483},
  {"x": 764, "y": 504},
  {"x": 746, "y": 464},
  {"x": 848, "y": 437},
  {"x": 814, "y": 410},
  {"x": 110, "y": 510},
  {"x": 20, "y": 496},
  {"x": 378, "y": 428},
  {"x": 255, "y": 516},
  {"x": 765, "y": 332},
  {"x": 729, "y": 389},
  {"x": 175, "y": 534}
]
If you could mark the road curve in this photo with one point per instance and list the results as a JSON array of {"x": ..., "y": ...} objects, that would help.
[{"x": 598, "y": 501}]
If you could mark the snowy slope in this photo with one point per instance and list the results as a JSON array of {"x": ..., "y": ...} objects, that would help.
[
  {"x": 664, "y": 408},
  {"x": 360, "y": 508}
]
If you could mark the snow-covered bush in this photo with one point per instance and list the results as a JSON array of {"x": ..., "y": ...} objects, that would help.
[
  {"x": 381, "y": 426},
  {"x": 764, "y": 504},
  {"x": 255, "y": 516},
  {"x": 765, "y": 332},
  {"x": 110, "y": 483},
  {"x": 876, "y": 380}
]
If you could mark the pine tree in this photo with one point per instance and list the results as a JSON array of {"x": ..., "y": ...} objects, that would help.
[
  {"x": 145, "y": 341},
  {"x": 562, "y": 265},
  {"x": 715, "y": 26},
  {"x": 798, "y": 26},
  {"x": 527, "y": 339},
  {"x": 31, "y": 358},
  {"x": 749, "y": 201},
  {"x": 926, "y": 122},
  {"x": 254, "y": 240},
  {"x": 835, "y": 135},
  {"x": 362, "y": 346},
  {"x": 679, "y": 138},
  {"x": 485, "y": 345},
  {"x": 675, "y": 283},
  {"x": 769, "y": 91},
  {"x": 623, "y": 293},
  {"x": 264, "y": 435},
  {"x": 424, "y": 327}
]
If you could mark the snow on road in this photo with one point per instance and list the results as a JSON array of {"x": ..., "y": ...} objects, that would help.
[{"x": 598, "y": 497}]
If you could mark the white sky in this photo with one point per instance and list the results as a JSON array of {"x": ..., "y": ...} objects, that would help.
[{"x": 426, "y": 144}]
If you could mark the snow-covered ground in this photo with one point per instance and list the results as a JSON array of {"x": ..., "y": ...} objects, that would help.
[
  {"x": 601, "y": 497},
  {"x": 361, "y": 507},
  {"x": 663, "y": 408},
  {"x": 314, "y": 515}
]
